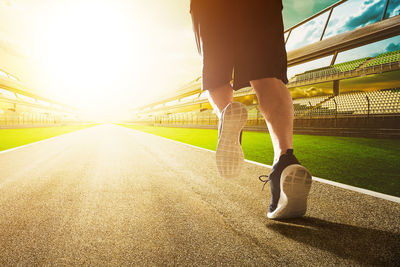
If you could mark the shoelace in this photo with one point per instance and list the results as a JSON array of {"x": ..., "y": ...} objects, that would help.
[{"x": 265, "y": 181}]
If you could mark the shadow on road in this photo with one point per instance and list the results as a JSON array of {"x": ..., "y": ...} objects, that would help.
[{"x": 364, "y": 245}]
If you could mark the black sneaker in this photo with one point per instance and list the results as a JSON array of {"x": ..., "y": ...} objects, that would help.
[
  {"x": 229, "y": 153},
  {"x": 290, "y": 184}
]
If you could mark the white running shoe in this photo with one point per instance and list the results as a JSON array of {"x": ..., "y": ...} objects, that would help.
[
  {"x": 229, "y": 154},
  {"x": 295, "y": 186},
  {"x": 290, "y": 185}
]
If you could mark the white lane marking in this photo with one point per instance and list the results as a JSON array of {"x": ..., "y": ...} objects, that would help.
[
  {"x": 321, "y": 180},
  {"x": 42, "y": 141}
]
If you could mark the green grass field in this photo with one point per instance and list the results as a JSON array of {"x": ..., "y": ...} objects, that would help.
[
  {"x": 10, "y": 138},
  {"x": 363, "y": 162}
]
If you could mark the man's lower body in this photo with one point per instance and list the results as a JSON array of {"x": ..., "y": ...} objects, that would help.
[{"x": 243, "y": 41}]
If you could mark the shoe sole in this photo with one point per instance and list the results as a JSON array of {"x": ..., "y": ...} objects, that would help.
[
  {"x": 229, "y": 153},
  {"x": 295, "y": 186}
]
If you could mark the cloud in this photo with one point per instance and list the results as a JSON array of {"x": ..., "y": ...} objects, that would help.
[
  {"x": 392, "y": 47},
  {"x": 330, "y": 30},
  {"x": 370, "y": 12},
  {"x": 393, "y": 8},
  {"x": 306, "y": 34},
  {"x": 393, "y": 4}
]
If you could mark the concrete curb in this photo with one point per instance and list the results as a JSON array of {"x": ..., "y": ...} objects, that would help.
[{"x": 321, "y": 180}]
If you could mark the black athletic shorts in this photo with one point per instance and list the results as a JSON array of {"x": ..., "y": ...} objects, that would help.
[{"x": 239, "y": 39}]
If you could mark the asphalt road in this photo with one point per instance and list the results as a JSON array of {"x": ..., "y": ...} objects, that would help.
[{"x": 109, "y": 195}]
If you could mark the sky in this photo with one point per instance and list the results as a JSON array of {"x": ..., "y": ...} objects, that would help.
[{"x": 109, "y": 56}]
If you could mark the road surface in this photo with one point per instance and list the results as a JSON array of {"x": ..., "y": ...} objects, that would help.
[{"x": 109, "y": 195}]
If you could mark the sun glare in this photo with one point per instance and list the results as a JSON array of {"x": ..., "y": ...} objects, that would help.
[{"x": 89, "y": 50}]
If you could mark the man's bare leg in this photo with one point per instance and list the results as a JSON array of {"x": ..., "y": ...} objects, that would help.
[
  {"x": 276, "y": 105},
  {"x": 229, "y": 154},
  {"x": 287, "y": 176},
  {"x": 220, "y": 97}
]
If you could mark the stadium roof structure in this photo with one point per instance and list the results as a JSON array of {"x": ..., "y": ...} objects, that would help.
[
  {"x": 17, "y": 87},
  {"x": 368, "y": 34},
  {"x": 383, "y": 29}
]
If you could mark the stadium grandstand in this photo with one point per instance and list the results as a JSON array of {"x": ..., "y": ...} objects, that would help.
[
  {"x": 343, "y": 77},
  {"x": 20, "y": 108}
]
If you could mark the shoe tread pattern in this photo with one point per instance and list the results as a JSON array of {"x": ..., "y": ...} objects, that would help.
[
  {"x": 229, "y": 153},
  {"x": 295, "y": 186}
]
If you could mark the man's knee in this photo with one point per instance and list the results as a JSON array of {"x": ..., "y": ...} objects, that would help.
[
  {"x": 225, "y": 89},
  {"x": 268, "y": 82}
]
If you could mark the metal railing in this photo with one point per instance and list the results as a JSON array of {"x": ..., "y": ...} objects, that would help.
[
  {"x": 322, "y": 12},
  {"x": 17, "y": 113},
  {"x": 363, "y": 106},
  {"x": 328, "y": 9}
]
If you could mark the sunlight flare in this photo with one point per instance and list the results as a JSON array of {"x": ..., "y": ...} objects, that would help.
[{"x": 90, "y": 50}]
